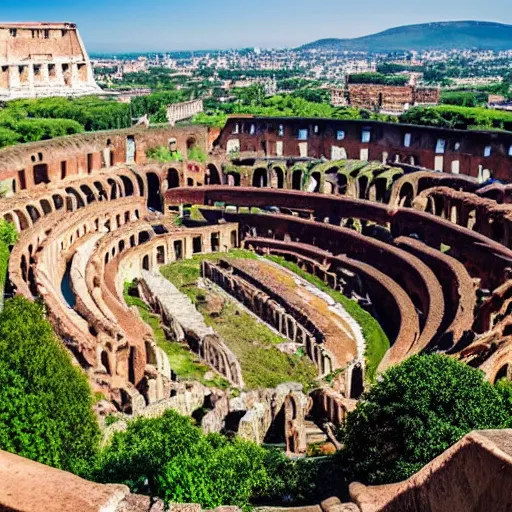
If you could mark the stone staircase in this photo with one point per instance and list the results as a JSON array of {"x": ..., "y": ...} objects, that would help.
[{"x": 314, "y": 434}]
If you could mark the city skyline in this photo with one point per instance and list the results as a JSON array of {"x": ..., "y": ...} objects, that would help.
[{"x": 125, "y": 26}]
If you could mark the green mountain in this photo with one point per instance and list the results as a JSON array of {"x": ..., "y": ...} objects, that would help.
[{"x": 444, "y": 35}]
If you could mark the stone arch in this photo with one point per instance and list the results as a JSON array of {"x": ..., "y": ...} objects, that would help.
[
  {"x": 260, "y": 178},
  {"x": 144, "y": 237},
  {"x": 9, "y": 217},
  {"x": 105, "y": 361},
  {"x": 33, "y": 212},
  {"x": 233, "y": 179},
  {"x": 154, "y": 198},
  {"x": 46, "y": 206},
  {"x": 58, "y": 201},
  {"x": 140, "y": 182},
  {"x": 406, "y": 195},
  {"x": 356, "y": 382},
  {"x": 128, "y": 185},
  {"x": 213, "y": 175},
  {"x": 79, "y": 199},
  {"x": 101, "y": 191},
  {"x": 24, "y": 219},
  {"x": 88, "y": 193},
  {"x": 277, "y": 180},
  {"x": 297, "y": 180},
  {"x": 317, "y": 177},
  {"x": 502, "y": 373},
  {"x": 362, "y": 186},
  {"x": 173, "y": 178},
  {"x": 145, "y": 262},
  {"x": 113, "y": 189}
]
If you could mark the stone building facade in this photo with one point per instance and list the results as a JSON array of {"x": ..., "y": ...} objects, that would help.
[{"x": 43, "y": 59}]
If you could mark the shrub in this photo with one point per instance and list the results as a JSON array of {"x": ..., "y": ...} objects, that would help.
[
  {"x": 418, "y": 410},
  {"x": 45, "y": 401},
  {"x": 171, "y": 458},
  {"x": 163, "y": 154}
]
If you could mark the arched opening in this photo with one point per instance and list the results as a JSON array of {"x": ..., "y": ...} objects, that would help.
[
  {"x": 154, "y": 200},
  {"x": 105, "y": 362},
  {"x": 58, "y": 201},
  {"x": 90, "y": 197},
  {"x": 41, "y": 174},
  {"x": 406, "y": 195},
  {"x": 101, "y": 191},
  {"x": 381, "y": 192},
  {"x": 34, "y": 214},
  {"x": 145, "y": 262},
  {"x": 357, "y": 382},
  {"x": 173, "y": 178},
  {"x": 128, "y": 186},
  {"x": 297, "y": 180},
  {"x": 160, "y": 255},
  {"x": 362, "y": 186},
  {"x": 213, "y": 175},
  {"x": 113, "y": 188},
  {"x": 260, "y": 178},
  {"x": 79, "y": 200},
  {"x": 277, "y": 178},
  {"x": 140, "y": 182},
  {"x": 342, "y": 184},
  {"x": 191, "y": 142},
  {"x": 503, "y": 373},
  {"x": 233, "y": 179},
  {"x": 143, "y": 237},
  {"x": 131, "y": 365},
  {"x": 46, "y": 207}
]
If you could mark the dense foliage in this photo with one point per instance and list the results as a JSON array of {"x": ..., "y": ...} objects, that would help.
[
  {"x": 45, "y": 401},
  {"x": 40, "y": 119},
  {"x": 419, "y": 409},
  {"x": 8, "y": 237},
  {"x": 171, "y": 458},
  {"x": 456, "y": 117},
  {"x": 377, "y": 78}
]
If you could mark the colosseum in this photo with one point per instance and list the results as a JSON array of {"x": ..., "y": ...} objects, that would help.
[{"x": 401, "y": 219}]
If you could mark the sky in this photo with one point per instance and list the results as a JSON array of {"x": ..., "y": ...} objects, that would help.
[{"x": 169, "y": 25}]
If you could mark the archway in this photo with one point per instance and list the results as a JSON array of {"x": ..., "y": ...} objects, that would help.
[
  {"x": 154, "y": 200},
  {"x": 89, "y": 195},
  {"x": 213, "y": 175},
  {"x": 297, "y": 180},
  {"x": 277, "y": 178},
  {"x": 113, "y": 188},
  {"x": 79, "y": 200},
  {"x": 173, "y": 178},
  {"x": 128, "y": 185},
  {"x": 233, "y": 179},
  {"x": 260, "y": 178},
  {"x": 406, "y": 195}
]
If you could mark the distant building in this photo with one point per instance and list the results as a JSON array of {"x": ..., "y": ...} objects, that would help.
[
  {"x": 385, "y": 98},
  {"x": 43, "y": 59}
]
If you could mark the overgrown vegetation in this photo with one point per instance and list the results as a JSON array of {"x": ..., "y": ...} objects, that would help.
[
  {"x": 163, "y": 154},
  {"x": 458, "y": 117},
  {"x": 171, "y": 458},
  {"x": 377, "y": 343},
  {"x": 413, "y": 413},
  {"x": 45, "y": 118},
  {"x": 377, "y": 78},
  {"x": 253, "y": 343},
  {"x": 45, "y": 401},
  {"x": 8, "y": 237},
  {"x": 184, "y": 363}
]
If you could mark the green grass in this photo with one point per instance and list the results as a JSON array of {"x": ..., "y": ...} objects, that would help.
[
  {"x": 253, "y": 343},
  {"x": 184, "y": 363},
  {"x": 377, "y": 343}
]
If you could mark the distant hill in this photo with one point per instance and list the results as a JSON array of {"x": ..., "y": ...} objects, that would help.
[{"x": 427, "y": 36}]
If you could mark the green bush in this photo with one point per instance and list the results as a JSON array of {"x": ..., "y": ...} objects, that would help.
[
  {"x": 377, "y": 78},
  {"x": 163, "y": 154},
  {"x": 45, "y": 401},
  {"x": 197, "y": 154},
  {"x": 171, "y": 458},
  {"x": 415, "y": 412}
]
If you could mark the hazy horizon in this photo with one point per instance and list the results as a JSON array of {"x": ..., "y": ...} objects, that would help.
[{"x": 167, "y": 25}]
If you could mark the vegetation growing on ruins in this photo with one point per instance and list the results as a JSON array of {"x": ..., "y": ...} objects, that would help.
[
  {"x": 171, "y": 458},
  {"x": 415, "y": 412},
  {"x": 184, "y": 363},
  {"x": 252, "y": 342},
  {"x": 377, "y": 343},
  {"x": 45, "y": 118},
  {"x": 45, "y": 401},
  {"x": 459, "y": 117},
  {"x": 196, "y": 154},
  {"x": 378, "y": 78},
  {"x": 163, "y": 154},
  {"x": 8, "y": 237}
]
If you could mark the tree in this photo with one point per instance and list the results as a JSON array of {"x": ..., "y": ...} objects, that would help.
[
  {"x": 45, "y": 401},
  {"x": 171, "y": 458},
  {"x": 419, "y": 409}
]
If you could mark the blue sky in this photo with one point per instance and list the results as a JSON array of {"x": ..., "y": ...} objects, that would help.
[{"x": 149, "y": 25}]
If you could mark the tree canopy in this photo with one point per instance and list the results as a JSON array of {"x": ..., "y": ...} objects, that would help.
[
  {"x": 419, "y": 409},
  {"x": 45, "y": 401}
]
